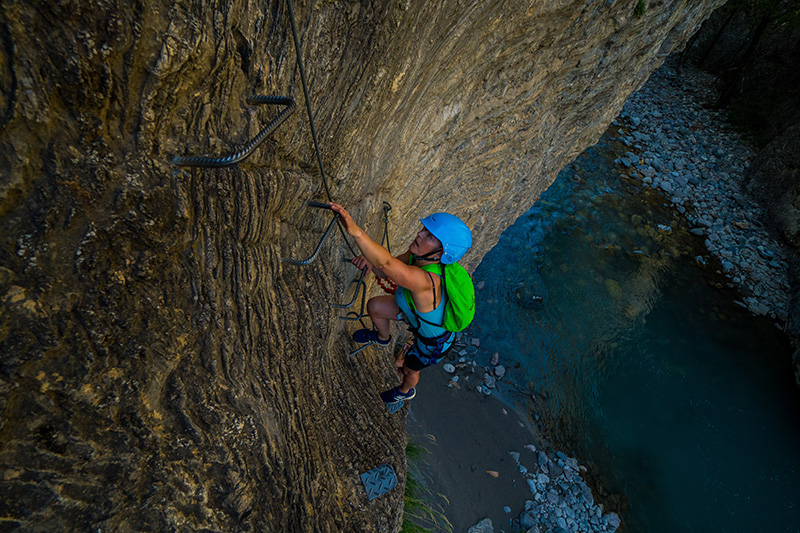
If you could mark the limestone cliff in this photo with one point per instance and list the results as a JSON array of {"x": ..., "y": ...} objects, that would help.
[{"x": 161, "y": 368}]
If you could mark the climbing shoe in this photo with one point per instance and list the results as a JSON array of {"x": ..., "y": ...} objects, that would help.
[
  {"x": 365, "y": 336},
  {"x": 395, "y": 395}
]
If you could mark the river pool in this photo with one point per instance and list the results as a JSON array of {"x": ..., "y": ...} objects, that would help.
[{"x": 643, "y": 365}]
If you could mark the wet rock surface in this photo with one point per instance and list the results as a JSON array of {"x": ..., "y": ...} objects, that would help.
[{"x": 162, "y": 368}]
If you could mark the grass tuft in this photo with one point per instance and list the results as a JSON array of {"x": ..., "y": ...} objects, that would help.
[{"x": 419, "y": 506}]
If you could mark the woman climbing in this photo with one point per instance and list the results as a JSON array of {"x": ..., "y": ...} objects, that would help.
[{"x": 443, "y": 240}]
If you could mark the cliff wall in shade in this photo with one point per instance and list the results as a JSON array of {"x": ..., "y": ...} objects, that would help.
[{"x": 161, "y": 367}]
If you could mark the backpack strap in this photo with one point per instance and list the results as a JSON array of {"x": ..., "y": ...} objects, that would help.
[
  {"x": 433, "y": 287},
  {"x": 410, "y": 301}
]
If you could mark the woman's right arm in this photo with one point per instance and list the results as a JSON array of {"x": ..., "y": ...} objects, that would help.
[
  {"x": 361, "y": 262},
  {"x": 410, "y": 277}
]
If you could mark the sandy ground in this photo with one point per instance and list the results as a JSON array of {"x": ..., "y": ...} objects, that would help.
[{"x": 466, "y": 435}]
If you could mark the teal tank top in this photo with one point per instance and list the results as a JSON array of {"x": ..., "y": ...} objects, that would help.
[{"x": 436, "y": 316}]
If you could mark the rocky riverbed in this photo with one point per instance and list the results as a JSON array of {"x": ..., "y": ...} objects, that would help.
[
  {"x": 690, "y": 154},
  {"x": 561, "y": 501}
]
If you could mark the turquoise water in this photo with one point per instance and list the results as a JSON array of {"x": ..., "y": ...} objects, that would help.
[{"x": 682, "y": 403}]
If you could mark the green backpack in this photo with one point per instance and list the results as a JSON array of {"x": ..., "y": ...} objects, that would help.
[{"x": 457, "y": 284}]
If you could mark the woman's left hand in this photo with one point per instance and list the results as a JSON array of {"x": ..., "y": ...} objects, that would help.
[
  {"x": 350, "y": 225},
  {"x": 361, "y": 263}
]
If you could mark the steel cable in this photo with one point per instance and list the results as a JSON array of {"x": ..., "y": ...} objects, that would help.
[{"x": 311, "y": 115}]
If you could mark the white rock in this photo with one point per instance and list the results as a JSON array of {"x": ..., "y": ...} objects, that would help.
[
  {"x": 449, "y": 368},
  {"x": 484, "y": 526},
  {"x": 528, "y": 521},
  {"x": 612, "y": 519}
]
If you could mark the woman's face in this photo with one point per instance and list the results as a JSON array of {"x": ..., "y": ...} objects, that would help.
[{"x": 425, "y": 243}]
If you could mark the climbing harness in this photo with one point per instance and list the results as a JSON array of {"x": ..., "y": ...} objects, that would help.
[
  {"x": 212, "y": 162},
  {"x": 436, "y": 343}
]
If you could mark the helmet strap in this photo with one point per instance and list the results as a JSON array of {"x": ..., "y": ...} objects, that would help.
[{"x": 426, "y": 257}]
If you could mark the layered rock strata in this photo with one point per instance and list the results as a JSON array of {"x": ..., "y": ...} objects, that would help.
[{"x": 161, "y": 367}]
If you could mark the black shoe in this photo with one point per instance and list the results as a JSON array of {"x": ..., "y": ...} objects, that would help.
[
  {"x": 395, "y": 395},
  {"x": 366, "y": 336}
]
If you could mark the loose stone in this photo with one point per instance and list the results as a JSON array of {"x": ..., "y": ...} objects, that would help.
[
  {"x": 484, "y": 526},
  {"x": 702, "y": 178}
]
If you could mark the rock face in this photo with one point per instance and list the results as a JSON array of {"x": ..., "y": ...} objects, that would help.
[{"x": 161, "y": 367}]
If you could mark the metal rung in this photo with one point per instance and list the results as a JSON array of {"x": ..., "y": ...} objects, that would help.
[
  {"x": 319, "y": 205},
  {"x": 352, "y": 315},
  {"x": 214, "y": 162},
  {"x": 359, "y": 350},
  {"x": 316, "y": 251},
  {"x": 359, "y": 283}
]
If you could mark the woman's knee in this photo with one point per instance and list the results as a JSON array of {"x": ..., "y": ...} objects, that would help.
[
  {"x": 382, "y": 307},
  {"x": 408, "y": 372}
]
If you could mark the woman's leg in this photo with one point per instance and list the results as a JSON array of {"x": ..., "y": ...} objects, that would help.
[
  {"x": 410, "y": 379},
  {"x": 381, "y": 310}
]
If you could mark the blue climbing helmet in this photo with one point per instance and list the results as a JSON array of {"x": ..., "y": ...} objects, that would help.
[{"x": 455, "y": 236}]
